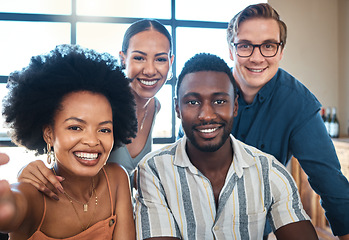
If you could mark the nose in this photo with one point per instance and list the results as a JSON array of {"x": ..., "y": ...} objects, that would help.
[
  {"x": 256, "y": 55},
  {"x": 91, "y": 139},
  {"x": 207, "y": 112},
  {"x": 149, "y": 69}
]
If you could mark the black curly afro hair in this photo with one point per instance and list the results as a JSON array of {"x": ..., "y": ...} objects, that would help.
[{"x": 36, "y": 92}]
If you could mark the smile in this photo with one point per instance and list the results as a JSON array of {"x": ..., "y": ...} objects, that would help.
[
  {"x": 256, "y": 70},
  {"x": 208, "y": 130},
  {"x": 86, "y": 156},
  {"x": 148, "y": 83}
]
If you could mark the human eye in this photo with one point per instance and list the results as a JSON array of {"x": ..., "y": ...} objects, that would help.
[
  {"x": 192, "y": 102},
  {"x": 105, "y": 130},
  {"x": 219, "y": 101},
  {"x": 161, "y": 59},
  {"x": 269, "y": 46},
  {"x": 138, "y": 58},
  {"x": 74, "y": 128},
  {"x": 244, "y": 46}
]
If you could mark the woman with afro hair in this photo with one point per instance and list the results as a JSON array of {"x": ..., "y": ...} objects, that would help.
[{"x": 76, "y": 106}]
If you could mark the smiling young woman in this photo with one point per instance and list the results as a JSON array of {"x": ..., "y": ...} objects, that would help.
[{"x": 76, "y": 106}]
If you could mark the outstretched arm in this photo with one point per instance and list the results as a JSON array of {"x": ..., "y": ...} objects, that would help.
[
  {"x": 13, "y": 204},
  {"x": 42, "y": 178}
]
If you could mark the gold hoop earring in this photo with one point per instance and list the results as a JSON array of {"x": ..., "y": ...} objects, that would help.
[{"x": 50, "y": 154}]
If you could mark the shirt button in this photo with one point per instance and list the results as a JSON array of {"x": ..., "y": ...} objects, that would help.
[
  {"x": 262, "y": 146},
  {"x": 111, "y": 222}
]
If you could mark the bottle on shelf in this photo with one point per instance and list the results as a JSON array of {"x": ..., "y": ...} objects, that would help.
[
  {"x": 328, "y": 119},
  {"x": 334, "y": 124}
]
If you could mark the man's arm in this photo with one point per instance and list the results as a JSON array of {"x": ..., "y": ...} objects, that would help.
[
  {"x": 292, "y": 231},
  {"x": 287, "y": 216},
  {"x": 315, "y": 152}
]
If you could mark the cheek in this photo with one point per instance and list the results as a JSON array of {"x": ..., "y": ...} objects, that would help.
[{"x": 132, "y": 70}]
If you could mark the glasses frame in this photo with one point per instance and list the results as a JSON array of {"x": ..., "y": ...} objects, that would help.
[{"x": 259, "y": 46}]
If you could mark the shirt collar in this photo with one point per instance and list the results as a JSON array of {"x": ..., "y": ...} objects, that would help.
[{"x": 242, "y": 158}]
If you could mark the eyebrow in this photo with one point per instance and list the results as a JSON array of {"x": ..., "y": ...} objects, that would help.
[
  {"x": 265, "y": 41},
  {"x": 194, "y": 94},
  {"x": 83, "y": 121},
  {"x": 143, "y": 53}
]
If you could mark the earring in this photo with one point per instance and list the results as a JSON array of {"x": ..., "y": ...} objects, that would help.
[{"x": 50, "y": 154}]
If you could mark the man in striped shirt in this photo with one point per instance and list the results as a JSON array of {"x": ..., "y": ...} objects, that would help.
[{"x": 208, "y": 185}]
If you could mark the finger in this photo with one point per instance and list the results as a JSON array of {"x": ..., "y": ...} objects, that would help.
[
  {"x": 4, "y": 158},
  {"x": 37, "y": 174},
  {"x": 51, "y": 178},
  {"x": 42, "y": 188}
]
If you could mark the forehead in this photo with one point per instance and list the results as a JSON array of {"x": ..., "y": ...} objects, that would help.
[
  {"x": 206, "y": 83},
  {"x": 259, "y": 30},
  {"x": 149, "y": 40},
  {"x": 84, "y": 103}
]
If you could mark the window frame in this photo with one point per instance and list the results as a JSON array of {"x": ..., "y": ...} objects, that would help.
[{"x": 73, "y": 18}]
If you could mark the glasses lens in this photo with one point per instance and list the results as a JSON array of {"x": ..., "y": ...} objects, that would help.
[
  {"x": 269, "y": 49},
  {"x": 244, "y": 49}
]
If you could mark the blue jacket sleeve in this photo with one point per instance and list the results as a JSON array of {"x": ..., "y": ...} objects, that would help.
[{"x": 316, "y": 154}]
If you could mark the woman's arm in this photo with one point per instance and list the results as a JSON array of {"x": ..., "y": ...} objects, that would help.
[
  {"x": 14, "y": 204},
  {"x": 42, "y": 178}
]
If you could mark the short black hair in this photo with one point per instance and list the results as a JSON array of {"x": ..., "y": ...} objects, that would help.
[
  {"x": 205, "y": 62},
  {"x": 36, "y": 93}
]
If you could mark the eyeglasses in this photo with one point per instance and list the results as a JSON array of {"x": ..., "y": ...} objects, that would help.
[{"x": 266, "y": 49}]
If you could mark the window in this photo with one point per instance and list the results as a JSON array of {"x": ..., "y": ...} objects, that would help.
[{"x": 34, "y": 27}]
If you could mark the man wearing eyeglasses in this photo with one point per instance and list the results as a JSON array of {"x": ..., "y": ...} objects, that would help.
[{"x": 278, "y": 114}]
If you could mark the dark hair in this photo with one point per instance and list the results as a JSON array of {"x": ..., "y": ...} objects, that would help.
[
  {"x": 205, "y": 62},
  {"x": 36, "y": 93},
  {"x": 141, "y": 26},
  {"x": 261, "y": 10}
]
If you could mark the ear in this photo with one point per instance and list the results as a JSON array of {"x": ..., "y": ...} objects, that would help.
[
  {"x": 281, "y": 53},
  {"x": 172, "y": 58},
  {"x": 122, "y": 58},
  {"x": 236, "y": 106},
  {"x": 231, "y": 54},
  {"x": 48, "y": 134},
  {"x": 177, "y": 108}
]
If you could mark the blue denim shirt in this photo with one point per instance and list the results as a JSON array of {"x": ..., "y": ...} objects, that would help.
[{"x": 284, "y": 120}]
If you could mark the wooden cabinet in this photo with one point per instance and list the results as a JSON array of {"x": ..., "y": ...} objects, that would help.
[
  {"x": 342, "y": 149},
  {"x": 310, "y": 200}
]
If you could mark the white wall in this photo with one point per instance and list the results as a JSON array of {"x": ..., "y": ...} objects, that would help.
[
  {"x": 343, "y": 8},
  {"x": 317, "y": 51}
]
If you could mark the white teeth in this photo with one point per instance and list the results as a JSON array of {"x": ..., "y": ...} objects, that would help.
[
  {"x": 256, "y": 70},
  {"x": 86, "y": 156},
  {"x": 148, "y": 83},
  {"x": 210, "y": 130}
]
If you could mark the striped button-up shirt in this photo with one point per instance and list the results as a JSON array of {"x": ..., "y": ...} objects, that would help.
[{"x": 175, "y": 199}]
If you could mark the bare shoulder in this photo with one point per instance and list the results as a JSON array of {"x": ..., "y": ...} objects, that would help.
[
  {"x": 116, "y": 173},
  {"x": 28, "y": 191}
]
